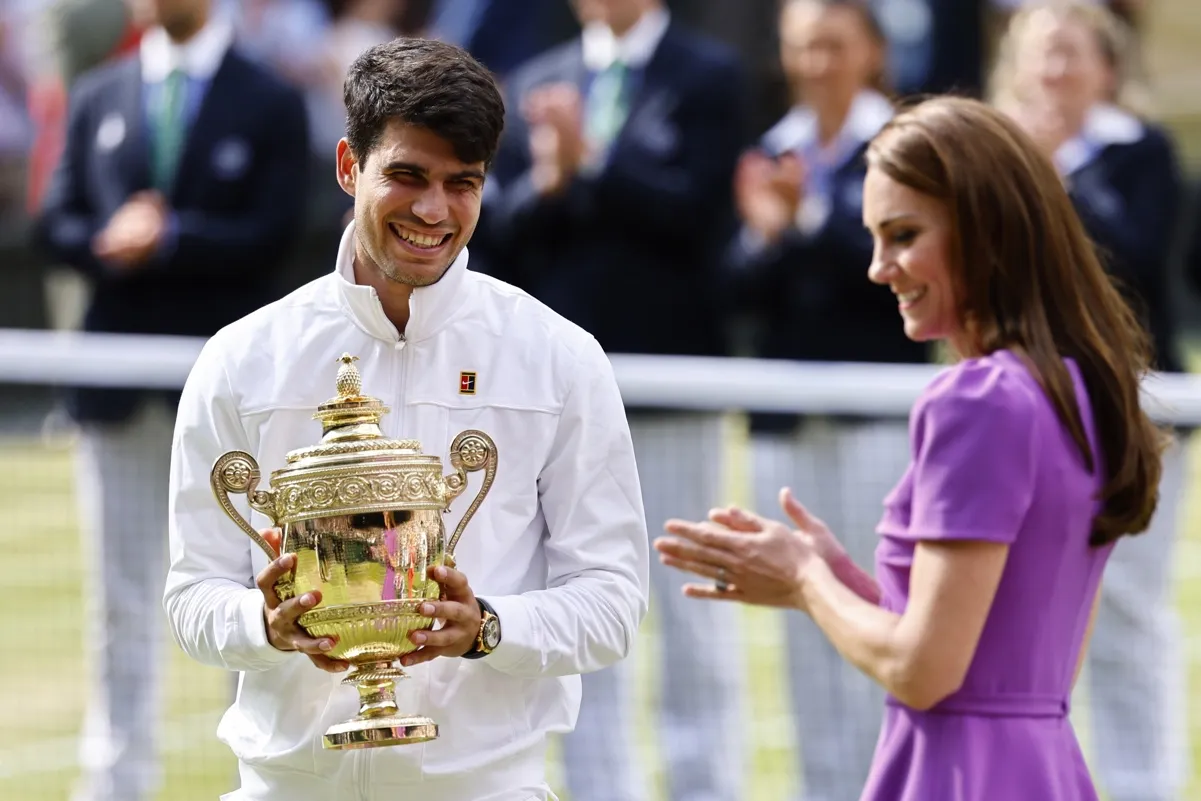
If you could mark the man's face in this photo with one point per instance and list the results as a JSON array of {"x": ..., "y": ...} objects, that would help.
[
  {"x": 620, "y": 15},
  {"x": 415, "y": 203},
  {"x": 180, "y": 18}
]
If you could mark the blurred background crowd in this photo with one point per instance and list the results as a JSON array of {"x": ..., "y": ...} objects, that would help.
[{"x": 680, "y": 178}]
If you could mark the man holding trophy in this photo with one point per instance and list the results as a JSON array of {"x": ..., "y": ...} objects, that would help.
[{"x": 465, "y": 653}]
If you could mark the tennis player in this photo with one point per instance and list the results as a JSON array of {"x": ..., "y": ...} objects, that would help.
[{"x": 552, "y": 578}]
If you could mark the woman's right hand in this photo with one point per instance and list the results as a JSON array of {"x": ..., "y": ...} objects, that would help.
[
  {"x": 818, "y": 537},
  {"x": 822, "y": 540}
]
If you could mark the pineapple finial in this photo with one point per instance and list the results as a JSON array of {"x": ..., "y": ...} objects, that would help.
[{"x": 349, "y": 382}]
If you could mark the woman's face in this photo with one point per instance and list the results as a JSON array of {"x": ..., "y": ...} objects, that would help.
[
  {"x": 912, "y": 256},
  {"x": 827, "y": 54},
  {"x": 1060, "y": 62}
]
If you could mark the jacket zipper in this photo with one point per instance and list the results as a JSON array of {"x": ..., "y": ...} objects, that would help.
[{"x": 398, "y": 391}]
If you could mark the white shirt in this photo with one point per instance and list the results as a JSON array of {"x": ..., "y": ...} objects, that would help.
[
  {"x": 601, "y": 47},
  {"x": 559, "y": 546},
  {"x": 199, "y": 57}
]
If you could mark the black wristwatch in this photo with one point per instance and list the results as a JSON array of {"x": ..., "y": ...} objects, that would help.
[{"x": 489, "y": 634}]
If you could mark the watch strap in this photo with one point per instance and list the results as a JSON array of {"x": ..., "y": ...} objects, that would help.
[{"x": 477, "y": 650}]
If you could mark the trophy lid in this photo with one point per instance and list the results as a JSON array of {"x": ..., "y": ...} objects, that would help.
[{"x": 350, "y": 423}]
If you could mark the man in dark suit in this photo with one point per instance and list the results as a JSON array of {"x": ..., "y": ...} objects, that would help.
[
  {"x": 613, "y": 200},
  {"x": 180, "y": 187}
]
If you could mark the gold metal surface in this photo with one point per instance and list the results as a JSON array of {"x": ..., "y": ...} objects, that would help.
[{"x": 363, "y": 514}]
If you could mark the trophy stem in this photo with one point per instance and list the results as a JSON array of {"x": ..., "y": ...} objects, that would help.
[
  {"x": 378, "y": 722},
  {"x": 376, "y": 683}
]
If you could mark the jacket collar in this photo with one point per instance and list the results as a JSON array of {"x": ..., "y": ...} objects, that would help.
[
  {"x": 1104, "y": 125},
  {"x": 870, "y": 111},
  {"x": 430, "y": 307}
]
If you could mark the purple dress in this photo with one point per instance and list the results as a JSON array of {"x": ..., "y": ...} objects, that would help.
[{"x": 992, "y": 462}]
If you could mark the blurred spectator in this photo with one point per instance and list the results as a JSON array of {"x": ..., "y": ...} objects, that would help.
[
  {"x": 614, "y": 199},
  {"x": 75, "y": 36},
  {"x": 503, "y": 34},
  {"x": 288, "y": 36},
  {"x": 22, "y": 302},
  {"x": 85, "y": 33},
  {"x": 750, "y": 27},
  {"x": 177, "y": 197},
  {"x": 1192, "y": 245},
  {"x": 15, "y": 127},
  {"x": 937, "y": 46},
  {"x": 1064, "y": 74},
  {"x": 800, "y": 266},
  {"x": 1128, "y": 11}
]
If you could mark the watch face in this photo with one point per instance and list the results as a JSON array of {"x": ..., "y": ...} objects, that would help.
[{"x": 491, "y": 633}]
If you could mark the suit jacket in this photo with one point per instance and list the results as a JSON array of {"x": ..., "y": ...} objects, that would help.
[
  {"x": 809, "y": 293},
  {"x": 237, "y": 201},
  {"x": 630, "y": 253},
  {"x": 1129, "y": 195}
]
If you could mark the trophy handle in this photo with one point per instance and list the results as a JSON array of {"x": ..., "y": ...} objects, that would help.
[
  {"x": 238, "y": 472},
  {"x": 471, "y": 451}
]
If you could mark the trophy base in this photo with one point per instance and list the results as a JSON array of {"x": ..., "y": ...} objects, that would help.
[{"x": 380, "y": 732}]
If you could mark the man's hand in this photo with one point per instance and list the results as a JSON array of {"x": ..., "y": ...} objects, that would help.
[
  {"x": 554, "y": 114},
  {"x": 282, "y": 630},
  {"x": 461, "y": 613},
  {"x": 134, "y": 232}
]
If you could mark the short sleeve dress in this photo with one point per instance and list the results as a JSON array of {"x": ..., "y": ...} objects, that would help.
[{"x": 991, "y": 461}]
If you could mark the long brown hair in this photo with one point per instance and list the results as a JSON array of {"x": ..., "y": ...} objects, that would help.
[{"x": 1031, "y": 282}]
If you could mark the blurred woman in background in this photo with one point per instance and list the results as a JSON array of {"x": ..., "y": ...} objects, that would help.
[
  {"x": 1067, "y": 75},
  {"x": 797, "y": 267}
]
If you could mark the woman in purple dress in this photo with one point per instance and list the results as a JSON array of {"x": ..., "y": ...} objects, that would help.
[{"x": 1030, "y": 458}]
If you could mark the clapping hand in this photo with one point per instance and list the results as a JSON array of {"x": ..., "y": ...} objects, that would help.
[
  {"x": 554, "y": 114},
  {"x": 768, "y": 192},
  {"x": 753, "y": 559},
  {"x": 133, "y": 233}
]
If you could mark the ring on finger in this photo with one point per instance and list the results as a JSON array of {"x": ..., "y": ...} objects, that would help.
[{"x": 721, "y": 584}]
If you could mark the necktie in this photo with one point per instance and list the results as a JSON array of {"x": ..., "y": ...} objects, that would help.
[
  {"x": 169, "y": 130},
  {"x": 607, "y": 105}
]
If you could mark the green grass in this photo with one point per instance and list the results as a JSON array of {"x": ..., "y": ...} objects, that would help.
[{"x": 41, "y": 682}]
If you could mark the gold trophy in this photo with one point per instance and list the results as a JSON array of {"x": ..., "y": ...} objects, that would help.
[{"x": 363, "y": 514}]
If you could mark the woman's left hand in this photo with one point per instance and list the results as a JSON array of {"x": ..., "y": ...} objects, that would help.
[{"x": 751, "y": 559}]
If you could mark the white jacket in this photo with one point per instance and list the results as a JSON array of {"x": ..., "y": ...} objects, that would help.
[{"x": 559, "y": 546}]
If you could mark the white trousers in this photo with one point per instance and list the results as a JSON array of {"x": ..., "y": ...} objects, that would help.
[
  {"x": 122, "y": 485},
  {"x": 841, "y": 472},
  {"x": 680, "y": 460},
  {"x": 1135, "y": 667}
]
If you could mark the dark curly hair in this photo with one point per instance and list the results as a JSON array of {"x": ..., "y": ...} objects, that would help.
[{"x": 428, "y": 84}]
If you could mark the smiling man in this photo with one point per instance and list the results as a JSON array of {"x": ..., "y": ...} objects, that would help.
[{"x": 552, "y": 571}]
